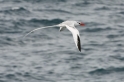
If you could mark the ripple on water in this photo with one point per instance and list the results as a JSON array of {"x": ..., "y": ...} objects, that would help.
[
  {"x": 103, "y": 71},
  {"x": 15, "y": 11}
]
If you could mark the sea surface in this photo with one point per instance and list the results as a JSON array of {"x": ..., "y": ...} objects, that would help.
[{"x": 51, "y": 56}]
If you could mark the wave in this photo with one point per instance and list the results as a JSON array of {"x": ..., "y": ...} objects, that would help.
[
  {"x": 122, "y": 12},
  {"x": 15, "y": 76},
  {"x": 17, "y": 26},
  {"x": 46, "y": 21},
  {"x": 103, "y": 8},
  {"x": 82, "y": 4},
  {"x": 15, "y": 11},
  {"x": 15, "y": 1},
  {"x": 102, "y": 71},
  {"x": 112, "y": 36},
  {"x": 33, "y": 1},
  {"x": 41, "y": 1},
  {"x": 21, "y": 76},
  {"x": 97, "y": 29},
  {"x": 55, "y": 10},
  {"x": 118, "y": 57},
  {"x": 36, "y": 22},
  {"x": 4, "y": 41}
]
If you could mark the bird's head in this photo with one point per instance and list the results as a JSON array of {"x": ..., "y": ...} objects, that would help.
[{"x": 80, "y": 23}]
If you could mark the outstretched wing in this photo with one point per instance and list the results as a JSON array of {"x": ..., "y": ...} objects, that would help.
[
  {"x": 76, "y": 36},
  {"x": 39, "y": 29}
]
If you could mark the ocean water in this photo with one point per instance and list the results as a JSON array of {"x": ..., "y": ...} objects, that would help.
[{"x": 51, "y": 56}]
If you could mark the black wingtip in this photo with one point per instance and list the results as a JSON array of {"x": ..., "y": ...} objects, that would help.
[
  {"x": 79, "y": 43},
  {"x": 79, "y": 49}
]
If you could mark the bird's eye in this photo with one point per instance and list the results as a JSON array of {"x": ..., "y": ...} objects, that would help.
[{"x": 79, "y": 23}]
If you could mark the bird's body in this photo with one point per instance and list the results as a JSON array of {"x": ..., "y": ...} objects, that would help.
[{"x": 70, "y": 25}]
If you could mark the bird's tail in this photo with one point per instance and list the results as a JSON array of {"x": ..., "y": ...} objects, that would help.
[{"x": 39, "y": 29}]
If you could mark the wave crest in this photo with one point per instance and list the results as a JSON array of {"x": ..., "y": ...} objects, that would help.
[
  {"x": 102, "y": 71},
  {"x": 15, "y": 11},
  {"x": 46, "y": 21}
]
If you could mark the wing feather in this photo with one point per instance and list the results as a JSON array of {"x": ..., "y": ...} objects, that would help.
[
  {"x": 79, "y": 43},
  {"x": 61, "y": 29},
  {"x": 76, "y": 36}
]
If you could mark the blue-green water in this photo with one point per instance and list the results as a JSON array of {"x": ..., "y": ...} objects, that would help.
[{"x": 51, "y": 56}]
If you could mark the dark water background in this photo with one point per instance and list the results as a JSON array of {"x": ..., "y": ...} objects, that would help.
[{"x": 51, "y": 56}]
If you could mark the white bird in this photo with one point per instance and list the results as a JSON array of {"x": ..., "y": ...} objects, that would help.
[{"x": 70, "y": 25}]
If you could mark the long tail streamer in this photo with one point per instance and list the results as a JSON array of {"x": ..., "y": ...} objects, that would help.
[{"x": 39, "y": 29}]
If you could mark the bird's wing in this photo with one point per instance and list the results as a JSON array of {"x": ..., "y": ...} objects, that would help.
[
  {"x": 61, "y": 28},
  {"x": 39, "y": 29},
  {"x": 76, "y": 36}
]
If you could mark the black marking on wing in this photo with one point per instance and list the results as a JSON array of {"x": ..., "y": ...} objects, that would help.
[{"x": 78, "y": 43}]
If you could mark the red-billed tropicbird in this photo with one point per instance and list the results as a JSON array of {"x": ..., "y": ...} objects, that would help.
[{"x": 70, "y": 25}]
